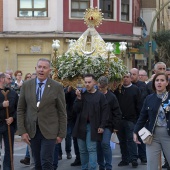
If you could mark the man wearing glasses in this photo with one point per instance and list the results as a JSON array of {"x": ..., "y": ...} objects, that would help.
[
  {"x": 143, "y": 76},
  {"x": 10, "y": 73},
  {"x": 8, "y": 80},
  {"x": 11, "y": 104}
]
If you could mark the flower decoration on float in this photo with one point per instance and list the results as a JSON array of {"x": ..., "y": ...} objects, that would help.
[{"x": 70, "y": 66}]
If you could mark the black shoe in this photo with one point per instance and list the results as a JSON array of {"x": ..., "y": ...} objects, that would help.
[
  {"x": 123, "y": 163},
  {"x": 25, "y": 161},
  {"x": 59, "y": 157},
  {"x": 166, "y": 165},
  {"x": 76, "y": 163},
  {"x": 101, "y": 168},
  {"x": 69, "y": 156},
  {"x": 55, "y": 168},
  {"x": 134, "y": 164},
  {"x": 143, "y": 160}
]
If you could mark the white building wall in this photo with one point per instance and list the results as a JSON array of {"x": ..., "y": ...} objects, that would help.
[{"x": 54, "y": 21}]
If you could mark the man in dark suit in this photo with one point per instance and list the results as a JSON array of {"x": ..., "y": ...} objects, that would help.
[
  {"x": 142, "y": 87},
  {"x": 42, "y": 115}
]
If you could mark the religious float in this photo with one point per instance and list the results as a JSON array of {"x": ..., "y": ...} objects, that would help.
[{"x": 88, "y": 54}]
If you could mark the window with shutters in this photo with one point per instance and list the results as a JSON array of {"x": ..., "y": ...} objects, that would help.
[
  {"x": 107, "y": 7},
  {"x": 126, "y": 10},
  {"x": 32, "y": 8},
  {"x": 78, "y": 8}
]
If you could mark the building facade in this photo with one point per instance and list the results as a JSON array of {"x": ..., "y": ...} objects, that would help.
[{"x": 27, "y": 28}]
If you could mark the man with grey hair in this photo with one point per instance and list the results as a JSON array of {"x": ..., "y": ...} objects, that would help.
[
  {"x": 10, "y": 72},
  {"x": 41, "y": 115},
  {"x": 8, "y": 80},
  {"x": 159, "y": 67},
  {"x": 104, "y": 153}
]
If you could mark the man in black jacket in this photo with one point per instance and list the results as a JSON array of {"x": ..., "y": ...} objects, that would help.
[
  {"x": 92, "y": 109},
  {"x": 104, "y": 153},
  {"x": 142, "y": 87},
  {"x": 11, "y": 103},
  {"x": 71, "y": 118},
  {"x": 129, "y": 101}
]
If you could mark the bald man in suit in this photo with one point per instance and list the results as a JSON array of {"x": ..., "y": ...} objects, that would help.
[{"x": 41, "y": 115}]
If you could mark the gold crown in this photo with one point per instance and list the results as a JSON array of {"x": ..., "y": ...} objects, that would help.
[{"x": 93, "y": 17}]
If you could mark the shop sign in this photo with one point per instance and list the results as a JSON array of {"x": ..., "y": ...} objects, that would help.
[{"x": 139, "y": 57}]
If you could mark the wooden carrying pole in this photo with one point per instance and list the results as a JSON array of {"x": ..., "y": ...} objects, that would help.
[{"x": 9, "y": 130}]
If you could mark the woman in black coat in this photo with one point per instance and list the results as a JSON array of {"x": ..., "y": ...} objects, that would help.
[{"x": 156, "y": 113}]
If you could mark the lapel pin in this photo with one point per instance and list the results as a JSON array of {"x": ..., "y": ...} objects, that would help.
[
  {"x": 48, "y": 85},
  {"x": 38, "y": 103}
]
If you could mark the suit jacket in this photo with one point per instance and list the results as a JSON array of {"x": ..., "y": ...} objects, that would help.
[
  {"x": 149, "y": 89},
  {"x": 50, "y": 115}
]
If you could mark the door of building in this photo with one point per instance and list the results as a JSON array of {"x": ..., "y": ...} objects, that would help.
[{"x": 27, "y": 63}]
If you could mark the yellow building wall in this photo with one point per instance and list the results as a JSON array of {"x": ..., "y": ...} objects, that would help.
[{"x": 11, "y": 49}]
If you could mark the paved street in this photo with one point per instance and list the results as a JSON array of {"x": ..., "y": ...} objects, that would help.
[{"x": 64, "y": 164}]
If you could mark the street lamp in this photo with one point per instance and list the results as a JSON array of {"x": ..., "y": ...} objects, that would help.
[
  {"x": 109, "y": 48},
  {"x": 55, "y": 47},
  {"x": 122, "y": 47}
]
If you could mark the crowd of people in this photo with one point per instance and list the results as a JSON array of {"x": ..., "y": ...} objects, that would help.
[{"x": 44, "y": 113}]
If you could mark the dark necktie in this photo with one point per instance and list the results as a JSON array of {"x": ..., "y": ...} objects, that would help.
[{"x": 39, "y": 95}]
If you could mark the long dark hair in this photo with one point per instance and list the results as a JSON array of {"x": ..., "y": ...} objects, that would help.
[{"x": 154, "y": 79}]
